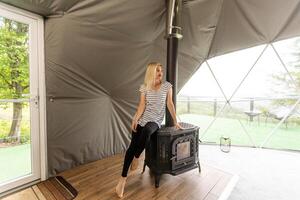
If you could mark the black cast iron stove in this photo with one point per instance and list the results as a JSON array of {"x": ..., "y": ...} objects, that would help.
[{"x": 172, "y": 151}]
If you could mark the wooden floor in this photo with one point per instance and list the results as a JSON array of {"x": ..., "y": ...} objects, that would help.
[{"x": 97, "y": 181}]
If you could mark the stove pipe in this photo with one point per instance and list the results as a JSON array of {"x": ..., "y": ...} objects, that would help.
[{"x": 173, "y": 35}]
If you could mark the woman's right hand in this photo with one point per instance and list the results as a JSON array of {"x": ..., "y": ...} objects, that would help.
[{"x": 133, "y": 125}]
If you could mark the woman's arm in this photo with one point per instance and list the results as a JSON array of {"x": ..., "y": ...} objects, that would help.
[
  {"x": 139, "y": 112},
  {"x": 171, "y": 108}
]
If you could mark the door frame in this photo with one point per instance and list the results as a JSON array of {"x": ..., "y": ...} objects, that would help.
[{"x": 38, "y": 95}]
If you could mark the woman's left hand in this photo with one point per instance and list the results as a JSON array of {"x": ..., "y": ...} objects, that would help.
[{"x": 177, "y": 126}]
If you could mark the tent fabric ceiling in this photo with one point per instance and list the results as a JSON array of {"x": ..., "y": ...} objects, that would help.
[
  {"x": 96, "y": 53},
  {"x": 44, "y": 7},
  {"x": 247, "y": 23}
]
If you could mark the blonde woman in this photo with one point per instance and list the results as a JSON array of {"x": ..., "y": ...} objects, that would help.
[{"x": 154, "y": 95}]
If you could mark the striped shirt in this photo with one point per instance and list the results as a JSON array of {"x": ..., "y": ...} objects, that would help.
[{"x": 155, "y": 104}]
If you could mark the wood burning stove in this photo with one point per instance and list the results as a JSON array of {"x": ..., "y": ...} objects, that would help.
[{"x": 171, "y": 151}]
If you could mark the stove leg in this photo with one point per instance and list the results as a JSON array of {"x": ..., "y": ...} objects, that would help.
[
  {"x": 199, "y": 167},
  {"x": 144, "y": 167},
  {"x": 157, "y": 179}
]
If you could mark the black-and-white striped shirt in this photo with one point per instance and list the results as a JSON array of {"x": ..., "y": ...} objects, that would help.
[{"x": 155, "y": 104}]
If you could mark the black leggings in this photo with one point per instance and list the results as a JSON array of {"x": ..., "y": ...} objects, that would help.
[{"x": 137, "y": 144}]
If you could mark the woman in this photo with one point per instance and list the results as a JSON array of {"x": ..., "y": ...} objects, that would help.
[{"x": 155, "y": 94}]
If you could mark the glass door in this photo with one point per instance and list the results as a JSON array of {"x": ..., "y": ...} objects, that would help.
[{"x": 19, "y": 96}]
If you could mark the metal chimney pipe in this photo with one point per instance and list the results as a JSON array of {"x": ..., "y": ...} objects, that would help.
[
  {"x": 173, "y": 22},
  {"x": 173, "y": 35}
]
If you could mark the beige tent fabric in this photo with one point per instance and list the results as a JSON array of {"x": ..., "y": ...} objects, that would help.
[
  {"x": 97, "y": 51},
  {"x": 244, "y": 24},
  {"x": 94, "y": 68}
]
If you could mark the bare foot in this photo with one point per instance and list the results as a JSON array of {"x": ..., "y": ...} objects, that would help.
[
  {"x": 134, "y": 164},
  {"x": 120, "y": 187}
]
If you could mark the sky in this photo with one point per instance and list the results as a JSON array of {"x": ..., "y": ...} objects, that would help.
[{"x": 230, "y": 69}]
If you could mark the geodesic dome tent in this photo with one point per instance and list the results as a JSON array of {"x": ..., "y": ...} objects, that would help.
[{"x": 96, "y": 53}]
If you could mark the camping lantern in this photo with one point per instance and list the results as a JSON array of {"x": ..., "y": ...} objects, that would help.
[{"x": 225, "y": 144}]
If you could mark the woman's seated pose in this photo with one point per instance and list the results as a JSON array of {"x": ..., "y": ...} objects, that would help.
[{"x": 154, "y": 96}]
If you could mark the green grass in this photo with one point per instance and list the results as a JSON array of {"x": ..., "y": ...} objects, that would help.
[
  {"x": 284, "y": 137},
  {"x": 6, "y": 123},
  {"x": 14, "y": 162}
]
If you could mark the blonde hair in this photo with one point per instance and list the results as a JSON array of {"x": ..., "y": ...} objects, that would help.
[{"x": 150, "y": 75}]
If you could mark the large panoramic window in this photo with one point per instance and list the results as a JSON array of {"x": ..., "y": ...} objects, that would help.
[{"x": 250, "y": 96}]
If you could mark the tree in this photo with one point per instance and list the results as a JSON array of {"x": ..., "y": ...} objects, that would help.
[
  {"x": 14, "y": 67},
  {"x": 292, "y": 87}
]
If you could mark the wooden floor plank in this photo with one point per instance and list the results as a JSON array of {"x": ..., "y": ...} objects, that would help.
[
  {"x": 27, "y": 194},
  {"x": 38, "y": 193},
  {"x": 47, "y": 194},
  {"x": 97, "y": 180},
  {"x": 221, "y": 184},
  {"x": 211, "y": 196}
]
